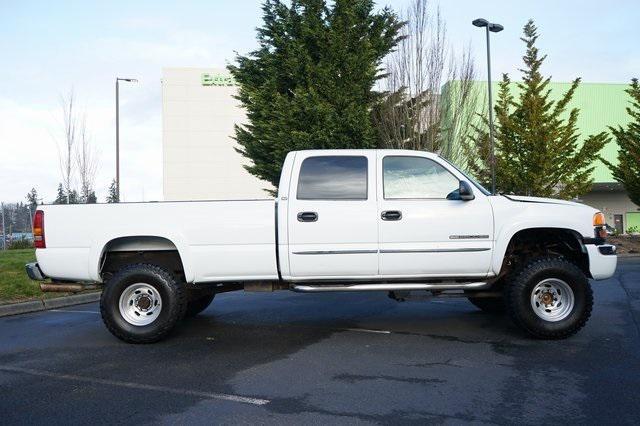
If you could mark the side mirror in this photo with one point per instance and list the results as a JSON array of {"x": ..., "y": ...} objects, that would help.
[{"x": 465, "y": 191}]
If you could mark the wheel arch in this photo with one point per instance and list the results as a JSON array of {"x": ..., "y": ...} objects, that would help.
[
  {"x": 566, "y": 241},
  {"x": 169, "y": 252}
]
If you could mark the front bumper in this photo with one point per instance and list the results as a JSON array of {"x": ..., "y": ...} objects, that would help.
[
  {"x": 602, "y": 260},
  {"x": 34, "y": 272}
]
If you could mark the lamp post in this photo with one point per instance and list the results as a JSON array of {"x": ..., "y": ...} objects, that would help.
[
  {"x": 118, "y": 80},
  {"x": 494, "y": 28}
]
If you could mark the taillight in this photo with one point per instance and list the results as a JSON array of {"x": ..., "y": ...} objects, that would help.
[{"x": 38, "y": 230}]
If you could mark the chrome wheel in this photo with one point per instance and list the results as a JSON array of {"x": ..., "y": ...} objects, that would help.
[
  {"x": 140, "y": 304},
  {"x": 552, "y": 299}
]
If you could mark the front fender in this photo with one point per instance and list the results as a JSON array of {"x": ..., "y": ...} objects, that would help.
[{"x": 506, "y": 235}]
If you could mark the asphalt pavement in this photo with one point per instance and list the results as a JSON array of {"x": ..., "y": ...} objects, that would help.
[{"x": 287, "y": 358}]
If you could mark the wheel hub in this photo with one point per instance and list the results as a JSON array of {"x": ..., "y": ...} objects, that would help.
[
  {"x": 140, "y": 304},
  {"x": 552, "y": 299},
  {"x": 143, "y": 302},
  {"x": 547, "y": 298}
]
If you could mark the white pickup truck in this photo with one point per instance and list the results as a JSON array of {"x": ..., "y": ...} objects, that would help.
[{"x": 343, "y": 220}]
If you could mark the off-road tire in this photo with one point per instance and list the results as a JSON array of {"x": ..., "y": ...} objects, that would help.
[
  {"x": 518, "y": 298},
  {"x": 493, "y": 305},
  {"x": 198, "y": 303},
  {"x": 172, "y": 292}
]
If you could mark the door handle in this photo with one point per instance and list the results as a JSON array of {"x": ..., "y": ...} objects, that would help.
[
  {"x": 307, "y": 217},
  {"x": 391, "y": 215}
]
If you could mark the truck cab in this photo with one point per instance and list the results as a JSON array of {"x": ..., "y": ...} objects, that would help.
[{"x": 381, "y": 215}]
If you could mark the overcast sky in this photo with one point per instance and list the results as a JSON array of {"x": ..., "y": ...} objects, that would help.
[{"x": 48, "y": 48}]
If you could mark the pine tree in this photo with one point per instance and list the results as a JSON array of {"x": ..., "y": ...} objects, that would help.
[
  {"x": 61, "y": 198},
  {"x": 32, "y": 198},
  {"x": 91, "y": 198},
  {"x": 627, "y": 171},
  {"x": 309, "y": 85},
  {"x": 73, "y": 197},
  {"x": 112, "y": 196},
  {"x": 536, "y": 138}
]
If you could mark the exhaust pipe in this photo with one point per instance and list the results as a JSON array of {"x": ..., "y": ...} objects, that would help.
[{"x": 67, "y": 288}]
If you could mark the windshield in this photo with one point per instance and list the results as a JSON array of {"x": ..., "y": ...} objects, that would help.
[{"x": 472, "y": 180}]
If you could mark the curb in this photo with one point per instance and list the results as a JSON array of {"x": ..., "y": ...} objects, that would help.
[
  {"x": 627, "y": 255},
  {"x": 46, "y": 304}
]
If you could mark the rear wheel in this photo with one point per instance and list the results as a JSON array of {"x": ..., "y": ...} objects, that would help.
[
  {"x": 550, "y": 298},
  {"x": 198, "y": 303},
  {"x": 142, "y": 303}
]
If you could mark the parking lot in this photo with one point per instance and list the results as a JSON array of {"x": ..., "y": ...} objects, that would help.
[{"x": 330, "y": 358}]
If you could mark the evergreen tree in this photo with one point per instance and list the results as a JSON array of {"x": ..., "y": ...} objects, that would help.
[
  {"x": 91, "y": 198},
  {"x": 309, "y": 85},
  {"x": 61, "y": 198},
  {"x": 32, "y": 198},
  {"x": 536, "y": 139},
  {"x": 73, "y": 197},
  {"x": 112, "y": 196},
  {"x": 627, "y": 171}
]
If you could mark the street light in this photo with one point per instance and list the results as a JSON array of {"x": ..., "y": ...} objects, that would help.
[
  {"x": 494, "y": 28},
  {"x": 118, "y": 80}
]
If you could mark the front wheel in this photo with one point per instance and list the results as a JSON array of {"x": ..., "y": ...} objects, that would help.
[
  {"x": 142, "y": 303},
  {"x": 550, "y": 298}
]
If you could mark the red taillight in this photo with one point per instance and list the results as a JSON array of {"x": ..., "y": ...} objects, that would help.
[{"x": 38, "y": 230}]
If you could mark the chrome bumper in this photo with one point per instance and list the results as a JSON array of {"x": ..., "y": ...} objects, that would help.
[{"x": 34, "y": 272}]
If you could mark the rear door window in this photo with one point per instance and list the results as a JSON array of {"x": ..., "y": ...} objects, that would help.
[{"x": 333, "y": 177}]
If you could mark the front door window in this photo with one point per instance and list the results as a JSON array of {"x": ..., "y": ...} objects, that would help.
[{"x": 408, "y": 177}]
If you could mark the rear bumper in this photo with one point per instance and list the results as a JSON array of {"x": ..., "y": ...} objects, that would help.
[
  {"x": 34, "y": 272},
  {"x": 602, "y": 260}
]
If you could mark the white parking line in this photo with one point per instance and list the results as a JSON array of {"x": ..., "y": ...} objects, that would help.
[
  {"x": 366, "y": 330},
  {"x": 131, "y": 385},
  {"x": 71, "y": 310}
]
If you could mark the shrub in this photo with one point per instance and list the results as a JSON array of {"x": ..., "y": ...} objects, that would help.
[{"x": 20, "y": 244}]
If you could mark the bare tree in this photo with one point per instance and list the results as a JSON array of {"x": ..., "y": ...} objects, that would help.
[
  {"x": 66, "y": 151},
  {"x": 86, "y": 161},
  {"x": 417, "y": 112},
  {"x": 75, "y": 154}
]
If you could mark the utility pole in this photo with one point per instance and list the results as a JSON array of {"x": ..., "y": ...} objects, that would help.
[
  {"x": 4, "y": 232},
  {"x": 30, "y": 218}
]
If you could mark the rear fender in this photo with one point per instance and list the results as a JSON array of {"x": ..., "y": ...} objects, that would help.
[{"x": 97, "y": 252}]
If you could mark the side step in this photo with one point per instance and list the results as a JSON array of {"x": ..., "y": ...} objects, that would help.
[{"x": 303, "y": 288}]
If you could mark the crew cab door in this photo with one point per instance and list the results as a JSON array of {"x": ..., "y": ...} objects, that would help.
[
  {"x": 332, "y": 220},
  {"x": 424, "y": 234}
]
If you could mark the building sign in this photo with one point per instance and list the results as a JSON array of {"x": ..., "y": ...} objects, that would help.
[{"x": 208, "y": 79}]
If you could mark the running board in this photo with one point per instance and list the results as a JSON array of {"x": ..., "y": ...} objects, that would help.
[{"x": 301, "y": 288}]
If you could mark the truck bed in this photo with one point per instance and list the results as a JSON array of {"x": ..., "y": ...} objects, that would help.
[{"x": 217, "y": 240}]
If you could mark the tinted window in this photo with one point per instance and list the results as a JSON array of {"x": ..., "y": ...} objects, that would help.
[
  {"x": 333, "y": 178},
  {"x": 416, "y": 177}
]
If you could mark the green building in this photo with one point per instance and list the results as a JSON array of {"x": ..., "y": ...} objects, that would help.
[{"x": 601, "y": 105}]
